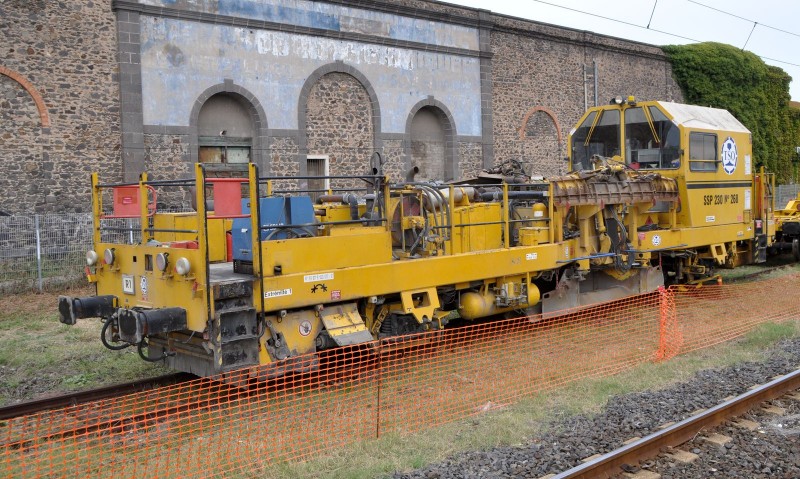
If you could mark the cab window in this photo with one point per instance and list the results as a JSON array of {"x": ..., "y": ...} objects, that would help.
[
  {"x": 702, "y": 152},
  {"x": 595, "y": 136},
  {"x": 651, "y": 142}
]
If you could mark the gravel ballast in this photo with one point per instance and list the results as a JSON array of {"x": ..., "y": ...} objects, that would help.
[{"x": 772, "y": 450}]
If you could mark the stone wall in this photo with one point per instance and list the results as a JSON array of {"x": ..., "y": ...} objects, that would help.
[
  {"x": 66, "y": 53},
  {"x": 470, "y": 158},
  {"x": 339, "y": 125},
  {"x": 538, "y": 68},
  {"x": 508, "y": 87}
]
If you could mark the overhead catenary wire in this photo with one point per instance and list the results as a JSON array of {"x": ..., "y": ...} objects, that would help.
[
  {"x": 743, "y": 18},
  {"x": 663, "y": 31}
]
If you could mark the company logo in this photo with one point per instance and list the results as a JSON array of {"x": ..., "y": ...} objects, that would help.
[
  {"x": 729, "y": 156},
  {"x": 656, "y": 240}
]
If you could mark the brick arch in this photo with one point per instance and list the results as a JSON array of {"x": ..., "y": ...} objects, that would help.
[
  {"x": 533, "y": 111},
  {"x": 33, "y": 92},
  {"x": 260, "y": 141},
  {"x": 335, "y": 67},
  {"x": 449, "y": 126}
]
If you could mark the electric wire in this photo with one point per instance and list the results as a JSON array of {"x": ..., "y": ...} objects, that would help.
[
  {"x": 663, "y": 31},
  {"x": 745, "y": 19}
]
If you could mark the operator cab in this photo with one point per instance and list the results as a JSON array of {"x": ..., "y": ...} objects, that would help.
[{"x": 651, "y": 140}]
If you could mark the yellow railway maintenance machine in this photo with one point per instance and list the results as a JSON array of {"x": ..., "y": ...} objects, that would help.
[
  {"x": 787, "y": 225},
  {"x": 656, "y": 189}
]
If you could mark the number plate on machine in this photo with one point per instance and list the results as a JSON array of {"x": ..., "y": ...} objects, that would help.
[{"x": 127, "y": 283}]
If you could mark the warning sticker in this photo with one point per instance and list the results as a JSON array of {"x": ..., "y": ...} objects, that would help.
[
  {"x": 143, "y": 287},
  {"x": 305, "y": 328}
]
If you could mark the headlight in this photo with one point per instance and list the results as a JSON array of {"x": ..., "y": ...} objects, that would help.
[
  {"x": 109, "y": 256},
  {"x": 162, "y": 260},
  {"x": 182, "y": 266},
  {"x": 91, "y": 257}
]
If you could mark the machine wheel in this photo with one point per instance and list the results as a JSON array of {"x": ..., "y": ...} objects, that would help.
[{"x": 796, "y": 249}]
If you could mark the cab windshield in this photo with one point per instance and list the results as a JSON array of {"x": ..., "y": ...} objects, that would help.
[
  {"x": 651, "y": 139},
  {"x": 598, "y": 134}
]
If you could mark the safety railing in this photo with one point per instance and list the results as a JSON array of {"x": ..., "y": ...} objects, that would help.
[{"x": 394, "y": 386}]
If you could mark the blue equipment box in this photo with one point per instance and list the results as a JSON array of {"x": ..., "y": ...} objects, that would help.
[{"x": 275, "y": 211}]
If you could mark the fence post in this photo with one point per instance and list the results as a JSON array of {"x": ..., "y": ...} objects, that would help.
[
  {"x": 378, "y": 402},
  {"x": 38, "y": 251},
  {"x": 670, "y": 338}
]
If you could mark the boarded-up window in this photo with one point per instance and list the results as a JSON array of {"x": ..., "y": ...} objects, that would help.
[
  {"x": 224, "y": 130},
  {"x": 428, "y": 144}
]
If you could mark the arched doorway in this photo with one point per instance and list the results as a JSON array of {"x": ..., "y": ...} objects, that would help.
[
  {"x": 428, "y": 144},
  {"x": 225, "y": 130}
]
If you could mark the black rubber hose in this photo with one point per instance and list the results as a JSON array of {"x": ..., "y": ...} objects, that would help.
[
  {"x": 105, "y": 341},
  {"x": 141, "y": 346}
]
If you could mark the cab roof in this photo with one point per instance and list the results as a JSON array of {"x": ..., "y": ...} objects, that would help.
[{"x": 703, "y": 117}]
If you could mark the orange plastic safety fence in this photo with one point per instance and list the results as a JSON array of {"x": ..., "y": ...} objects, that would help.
[
  {"x": 714, "y": 314},
  {"x": 251, "y": 419}
]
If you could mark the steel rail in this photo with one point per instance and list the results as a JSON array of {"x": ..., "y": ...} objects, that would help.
[
  {"x": 31, "y": 407},
  {"x": 757, "y": 274},
  {"x": 608, "y": 465}
]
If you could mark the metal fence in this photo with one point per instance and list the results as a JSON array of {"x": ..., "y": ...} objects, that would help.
[
  {"x": 37, "y": 251},
  {"x": 786, "y": 193}
]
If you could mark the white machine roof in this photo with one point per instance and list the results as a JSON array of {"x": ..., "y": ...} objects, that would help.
[{"x": 704, "y": 117}]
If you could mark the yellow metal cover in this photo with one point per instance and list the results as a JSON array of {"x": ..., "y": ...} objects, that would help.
[{"x": 344, "y": 324}]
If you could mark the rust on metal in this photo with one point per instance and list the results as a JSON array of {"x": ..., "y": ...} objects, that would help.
[
  {"x": 608, "y": 465},
  {"x": 81, "y": 397}
]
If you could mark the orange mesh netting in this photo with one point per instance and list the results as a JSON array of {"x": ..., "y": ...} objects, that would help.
[{"x": 400, "y": 385}]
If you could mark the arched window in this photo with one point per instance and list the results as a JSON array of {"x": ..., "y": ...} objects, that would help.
[
  {"x": 541, "y": 142},
  {"x": 224, "y": 130},
  {"x": 339, "y": 128}
]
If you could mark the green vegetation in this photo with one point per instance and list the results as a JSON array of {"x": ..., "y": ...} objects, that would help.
[
  {"x": 722, "y": 76},
  {"x": 41, "y": 357}
]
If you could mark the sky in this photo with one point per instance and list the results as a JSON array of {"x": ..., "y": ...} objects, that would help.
[{"x": 691, "y": 19}]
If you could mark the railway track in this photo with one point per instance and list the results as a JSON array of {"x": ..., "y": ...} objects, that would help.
[
  {"x": 612, "y": 463},
  {"x": 81, "y": 397}
]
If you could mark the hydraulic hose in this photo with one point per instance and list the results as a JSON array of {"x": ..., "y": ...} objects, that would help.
[
  {"x": 140, "y": 349},
  {"x": 105, "y": 341}
]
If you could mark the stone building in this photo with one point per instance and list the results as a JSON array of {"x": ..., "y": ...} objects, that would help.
[{"x": 296, "y": 86}]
